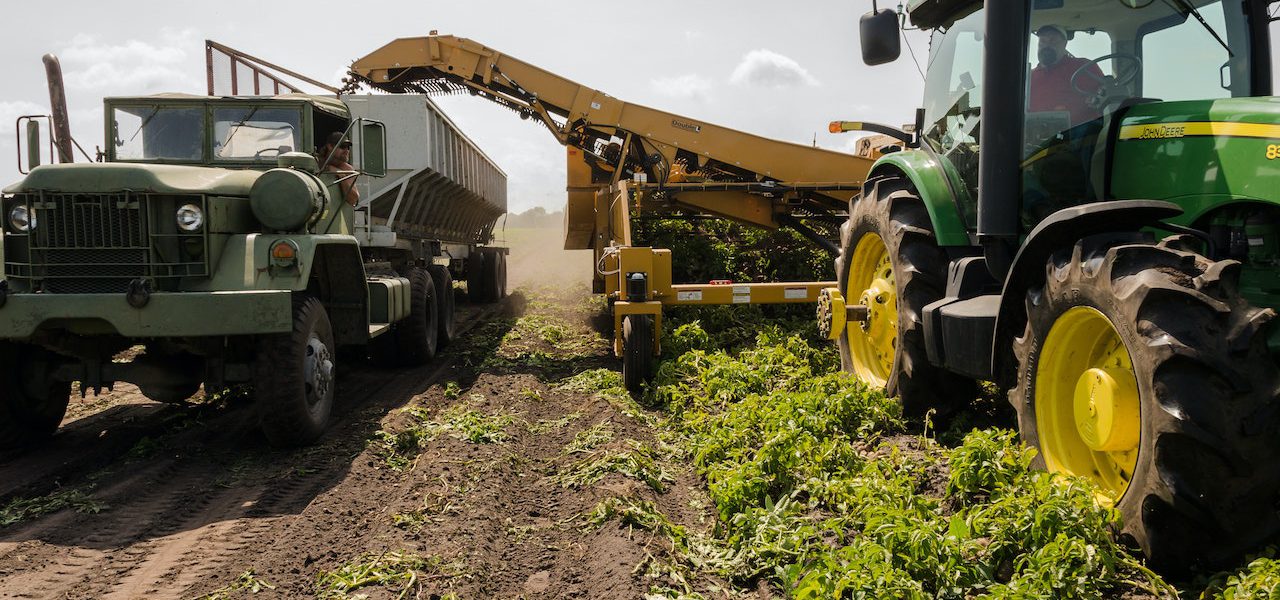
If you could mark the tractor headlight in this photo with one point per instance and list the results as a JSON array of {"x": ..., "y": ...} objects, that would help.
[
  {"x": 190, "y": 217},
  {"x": 22, "y": 218}
]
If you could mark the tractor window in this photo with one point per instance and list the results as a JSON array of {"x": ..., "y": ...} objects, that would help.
[
  {"x": 953, "y": 102},
  {"x": 1183, "y": 61}
]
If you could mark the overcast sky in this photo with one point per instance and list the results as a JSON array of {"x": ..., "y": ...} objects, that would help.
[{"x": 779, "y": 69}]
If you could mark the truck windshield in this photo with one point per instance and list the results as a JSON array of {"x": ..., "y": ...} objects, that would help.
[
  {"x": 158, "y": 133},
  {"x": 255, "y": 132}
]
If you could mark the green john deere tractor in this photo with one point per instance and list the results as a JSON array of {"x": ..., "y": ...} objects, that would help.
[{"x": 1088, "y": 214}]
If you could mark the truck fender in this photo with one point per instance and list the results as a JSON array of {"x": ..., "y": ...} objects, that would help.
[
  {"x": 1058, "y": 230},
  {"x": 338, "y": 280}
]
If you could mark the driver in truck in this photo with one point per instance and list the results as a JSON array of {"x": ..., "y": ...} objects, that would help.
[
  {"x": 1054, "y": 81},
  {"x": 335, "y": 156}
]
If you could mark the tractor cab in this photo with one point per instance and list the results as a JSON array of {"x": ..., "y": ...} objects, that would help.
[
  {"x": 1076, "y": 65},
  {"x": 1086, "y": 215}
]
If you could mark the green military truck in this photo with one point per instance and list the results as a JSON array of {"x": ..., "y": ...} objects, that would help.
[{"x": 208, "y": 236}]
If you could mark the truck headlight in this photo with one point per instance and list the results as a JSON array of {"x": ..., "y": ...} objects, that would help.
[
  {"x": 22, "y": 218},
  {"x": 190, "y": 217}
]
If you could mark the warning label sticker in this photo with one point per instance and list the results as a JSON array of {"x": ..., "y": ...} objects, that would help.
[
  {"x": 689, "y": 296},
  {"x": 793, "y": 293}
]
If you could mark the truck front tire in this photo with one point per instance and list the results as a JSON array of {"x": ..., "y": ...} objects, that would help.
[
  {"x": 31, "y": 404},
  {"x": 294, "y": 377}
]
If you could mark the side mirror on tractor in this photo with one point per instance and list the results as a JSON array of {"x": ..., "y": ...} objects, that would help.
[{"x": 881, "y": 41}]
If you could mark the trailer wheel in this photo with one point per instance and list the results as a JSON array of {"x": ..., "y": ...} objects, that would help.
[
  {"x": 31, "y": 403},
  {"x": 413, "y": 340},
  {"x": 443, "y": 281},
  {"x": 294, "y": 377},
  {"x": 1143, "y": 370},
  {"x": 637, "y": 351},
  {"x": 890, "y": 262},
  {"x": 475, "y": 275},
  {"x": 502, "y": 274},
  {"x": 493, "y": 285}
]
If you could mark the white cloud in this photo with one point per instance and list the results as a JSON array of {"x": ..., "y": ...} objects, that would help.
[
  {"x": 766, "y": 68},
  {"x": 683, "y": 86},
  {"x": 170, "y": 63}
]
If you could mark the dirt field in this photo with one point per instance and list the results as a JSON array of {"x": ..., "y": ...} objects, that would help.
[{"x": 465, "y": 477}]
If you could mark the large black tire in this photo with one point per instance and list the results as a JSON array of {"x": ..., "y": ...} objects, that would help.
[
  {"x": 446, "y": 327},
  {"x": 31, "y": 403},
  {"x": 502, "y": 273},
  {"x": 294, "y": 378},
  {"x": 413, "y": 340},
  {"x": 476, "y": 265},
  {"x": 637, "y": 351},
  {"x": 891, "y": 210},
  {"x": 1204, "y": 487},
  {"x": 493, "y": 284}
]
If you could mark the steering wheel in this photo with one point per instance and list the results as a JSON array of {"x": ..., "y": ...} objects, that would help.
[
  {"x": 1105, "y": 81},
  {"x": 278, "y": 150}
]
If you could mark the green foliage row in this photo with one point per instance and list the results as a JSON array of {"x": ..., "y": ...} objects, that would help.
[{"x": 819, "y": 490}]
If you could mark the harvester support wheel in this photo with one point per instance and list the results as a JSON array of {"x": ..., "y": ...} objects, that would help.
[
  {"x": 294, "y": 377},
  {"x": 445, "y": 301},
  {"x": 891, "y": 265},
  {"x": 1143, "y": 370},
  {"x": 637, "y": 350},
  {"x": 31, "y": 403}
]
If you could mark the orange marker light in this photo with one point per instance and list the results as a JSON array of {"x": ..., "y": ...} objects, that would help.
[
  {"x": 283, "y": 251},
  {"x": 835, "y": 127}
]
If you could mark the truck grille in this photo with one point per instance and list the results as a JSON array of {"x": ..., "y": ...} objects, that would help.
[{"x": 97, "y": 243}]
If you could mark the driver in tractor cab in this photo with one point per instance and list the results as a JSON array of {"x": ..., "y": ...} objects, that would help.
[{"x": 1054, "y": 83}]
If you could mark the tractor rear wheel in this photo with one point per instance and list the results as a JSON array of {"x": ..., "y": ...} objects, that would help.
[
  {"x": 890, "y": 262},
  {"x": 637, "y": 351},
  {"x": 1144, "y": 371},
  {"x": 32, "y": 404}
]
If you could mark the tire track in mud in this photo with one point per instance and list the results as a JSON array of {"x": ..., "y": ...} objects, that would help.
[{"x": 171, "y": 525}]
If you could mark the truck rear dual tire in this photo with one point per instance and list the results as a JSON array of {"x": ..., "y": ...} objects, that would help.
[
  {"x": 413, "y": 340},
  {"x": 1143, "y": 370},
  {"x": 890, "y": 261},
  {"x": 294, "y": 377},
  {"x": 31, "y": 403},
  {"x": 445, "y": 301},
  {"x": 487, "y": 276}
]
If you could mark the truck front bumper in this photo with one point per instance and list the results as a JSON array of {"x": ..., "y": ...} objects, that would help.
[{"x": 178, "y": 314}]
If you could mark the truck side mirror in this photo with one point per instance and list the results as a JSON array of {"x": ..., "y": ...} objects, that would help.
[
  {"x": 33, "y": 144},
  {"x": 373, "y": 148},
  {"x": 881, "y": 41}
]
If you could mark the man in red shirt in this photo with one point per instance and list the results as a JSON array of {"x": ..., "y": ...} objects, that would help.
[{"x": 1051, "y": 88}]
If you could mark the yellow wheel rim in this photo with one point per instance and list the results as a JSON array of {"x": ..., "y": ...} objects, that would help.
[
  {"x": 1087, "y": 402},
  {"x": 871, "y": 283}
]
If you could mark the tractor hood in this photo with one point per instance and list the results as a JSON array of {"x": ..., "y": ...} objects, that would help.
[
  {"x": 148, "y": 178},
  {"x": 1211, "y": 149}
]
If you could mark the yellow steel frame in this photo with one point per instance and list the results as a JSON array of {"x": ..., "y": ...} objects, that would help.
[{"x": 773, "y": 176}]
